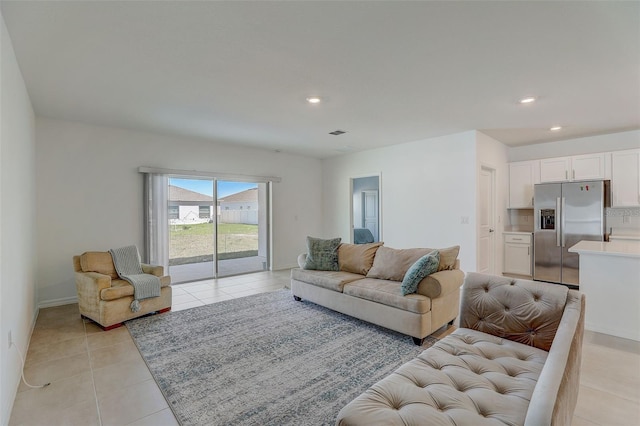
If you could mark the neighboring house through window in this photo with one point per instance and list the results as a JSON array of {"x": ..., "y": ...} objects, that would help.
[
  {"x": 173, "y": 212},
  {"x": 204, "y": 212}
]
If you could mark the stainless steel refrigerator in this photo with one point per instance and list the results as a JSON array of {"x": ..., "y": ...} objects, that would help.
[{"x": 564, "y": 214}]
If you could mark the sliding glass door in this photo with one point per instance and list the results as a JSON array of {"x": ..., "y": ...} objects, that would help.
[
  {"x": 242, "y": 225},
  {"x": 216, "y": 228},
  {"x": 191, "y": 214}
]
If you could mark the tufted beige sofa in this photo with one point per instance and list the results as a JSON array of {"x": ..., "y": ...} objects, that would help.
[{"x": 515, "y": 361}]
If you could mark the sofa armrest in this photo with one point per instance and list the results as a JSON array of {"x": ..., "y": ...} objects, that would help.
[
  {"x": 556, "y": 393},
  {"x": 156, "y": 270},
  {"x": 441, "y": 283},
  {"x": 92, "y": 282},
  {"x": 302, "y": 259}
]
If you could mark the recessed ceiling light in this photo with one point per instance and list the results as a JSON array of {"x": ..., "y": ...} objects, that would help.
[
  {"x": 314, "y": 99},
  {"x": 528, "y": 100},
  {"x": 555, "y": 128}
]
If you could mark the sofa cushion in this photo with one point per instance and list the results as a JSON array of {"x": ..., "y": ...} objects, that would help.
[
  {"x": 426, "y": 265},
  {"x": 448, "y": 258},
  {"x": 122, "y": 288},
  {"x": 322, "y": 255},
  {"x": 468, "y": 378},
  {"x": 393, "y": 264},
  {"x": 357, "y": 258},
  {"x": 326, "y": 279},
  {"x": 388, "y": 293},
  {"x": 524, "y": 311},
  {"x": 98, "y": 261}
]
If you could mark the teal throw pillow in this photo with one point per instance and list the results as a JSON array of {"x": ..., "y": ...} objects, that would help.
[
  {"x": 322, "y": 255},
  {"x": 426, "y": 265}
]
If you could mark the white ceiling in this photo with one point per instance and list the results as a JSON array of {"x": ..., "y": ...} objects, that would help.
[{"x": 389, "y": 71}]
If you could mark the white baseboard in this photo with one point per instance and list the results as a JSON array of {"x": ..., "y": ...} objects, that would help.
[
  {"x": 57, "y": 302},
  {"x": 617, "y": 332},
  {"x": 283, "y": 267}
]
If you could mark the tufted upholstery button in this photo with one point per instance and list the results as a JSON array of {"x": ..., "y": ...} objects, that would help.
[
  {"x": 486, "y": 289},
  {"x": 506, "y": 309},
  {"x": 513, "y": 282}
]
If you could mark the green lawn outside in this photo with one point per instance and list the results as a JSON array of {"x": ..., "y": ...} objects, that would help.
[
  {"x": 207, "y": 229},
  {"x": 194, "y": 243}
]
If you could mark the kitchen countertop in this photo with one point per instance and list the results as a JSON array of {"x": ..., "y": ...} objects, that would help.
[
  {"x": 628, "y": 237},
  {"x": 509, "y": 230},
  {"x": 612, "y": 248}
]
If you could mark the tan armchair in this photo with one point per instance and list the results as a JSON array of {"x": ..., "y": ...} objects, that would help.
[{"x": 105, "y": 298}]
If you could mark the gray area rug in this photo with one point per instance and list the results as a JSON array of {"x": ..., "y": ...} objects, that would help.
[{"x": 265, "y": 360}]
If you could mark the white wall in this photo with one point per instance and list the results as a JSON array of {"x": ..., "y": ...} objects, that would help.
[
  {"x": 90, "y": 193},
  {"x": 587, "y": 145},
  {"x": 425, "y": 188},
  {"x": 17, "y": 221},
  {"x": 493, "y": 154}
]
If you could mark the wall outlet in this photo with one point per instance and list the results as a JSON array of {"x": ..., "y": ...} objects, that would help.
[
  {"x": 10, "y": 340},
  {"x": 464, "y": 220}
]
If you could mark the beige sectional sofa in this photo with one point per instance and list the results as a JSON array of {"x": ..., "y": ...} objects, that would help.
[
  {"x": 515, "y": 360},
  {"x": 368, "y": 286}
]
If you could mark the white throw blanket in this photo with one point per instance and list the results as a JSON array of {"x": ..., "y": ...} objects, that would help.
[{"x": 127, "y": 263}]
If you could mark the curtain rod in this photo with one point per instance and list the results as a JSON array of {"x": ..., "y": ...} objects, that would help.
[{"x": 223, "y": 176}]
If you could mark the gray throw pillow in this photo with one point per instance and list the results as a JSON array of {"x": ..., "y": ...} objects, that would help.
[
  {"x": 322, "y": 255},
  {"x": 426, "y": 265}
]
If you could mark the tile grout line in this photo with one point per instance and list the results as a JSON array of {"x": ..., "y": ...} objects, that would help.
[{"x": 93, "y": 380}]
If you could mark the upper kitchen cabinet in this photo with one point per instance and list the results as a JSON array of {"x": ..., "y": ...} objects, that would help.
[
  {"x": 625, "y": 178},
  {"x": 588, "y": 166},
  {"x": 555, "y": 169},
  {"x": 522, "y": 176},
  {"x": 578, "y": 167}
]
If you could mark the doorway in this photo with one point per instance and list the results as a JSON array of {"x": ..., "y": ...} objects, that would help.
[
  {"x": 217, "y": 228},
  {"x": 365, "y": 209},
  {"x": 486, "y": 220}
]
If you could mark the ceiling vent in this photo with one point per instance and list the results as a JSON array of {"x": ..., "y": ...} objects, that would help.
[{"x": 337, "y": 132}]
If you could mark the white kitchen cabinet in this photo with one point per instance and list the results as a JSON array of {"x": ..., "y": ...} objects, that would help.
[
  {"x": 555, "y": 169},
  {"x": 625, "y": 178},
  {"x": 522, "y": 176},
  {"x": 517, "y": 253},
  {"x": 588, "y": 166},
  {"x": 577, "y": 167}
]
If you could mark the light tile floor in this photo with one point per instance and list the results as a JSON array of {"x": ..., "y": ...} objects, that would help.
[{"x": 99, "y": 378}]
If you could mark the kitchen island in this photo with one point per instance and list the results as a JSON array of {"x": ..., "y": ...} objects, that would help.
[{"x": 610, "y": 279}]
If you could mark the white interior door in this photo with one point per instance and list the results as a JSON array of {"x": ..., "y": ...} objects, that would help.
[
  {"x": 486, "y": 221},
  {"x": 366, "y": 211},
  {"x": 370, "y": 212}
]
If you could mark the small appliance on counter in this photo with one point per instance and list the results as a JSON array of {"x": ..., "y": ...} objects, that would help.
[{"x": 565, "y": 214}]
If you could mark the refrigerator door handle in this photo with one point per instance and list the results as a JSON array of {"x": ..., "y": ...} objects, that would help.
[
  {"x": 557, "y": 227},
  {"x": 562, "y": 219}
]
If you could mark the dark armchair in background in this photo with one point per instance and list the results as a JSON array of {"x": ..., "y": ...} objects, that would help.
[{"x": 362, "y": 236}]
